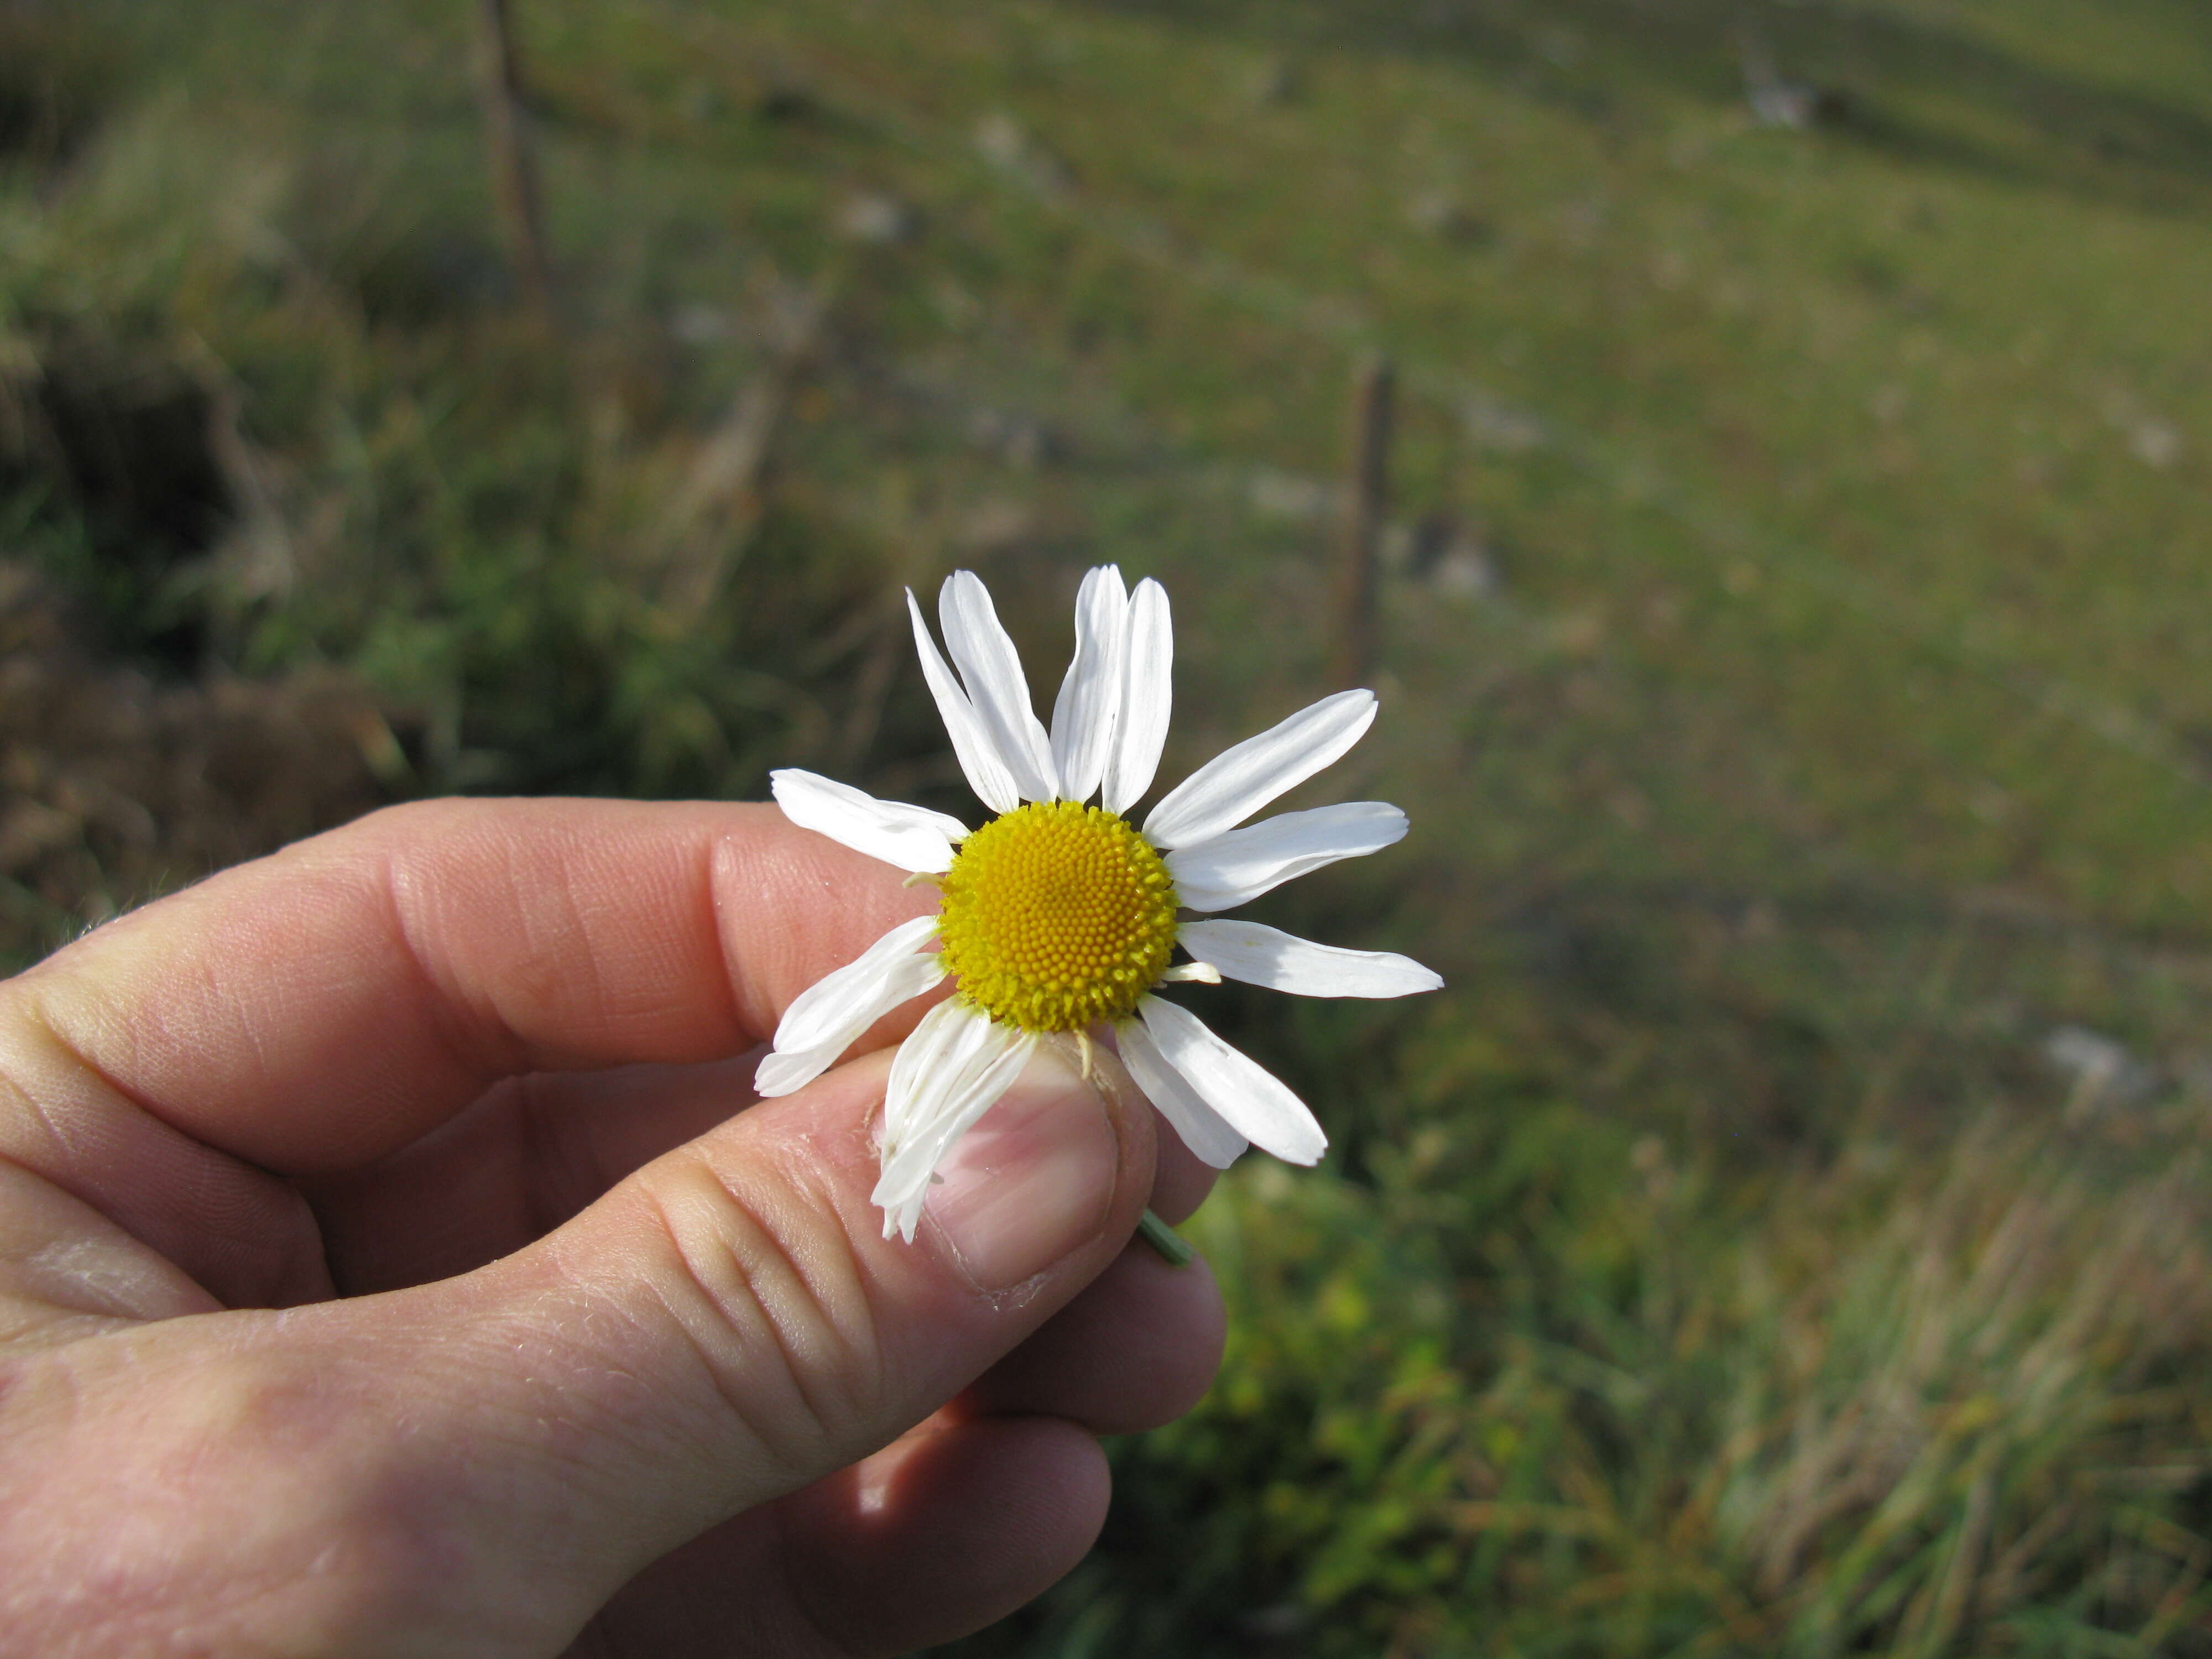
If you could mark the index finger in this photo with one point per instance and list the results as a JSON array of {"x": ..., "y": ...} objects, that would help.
[{"x": 313, "y": 1010}]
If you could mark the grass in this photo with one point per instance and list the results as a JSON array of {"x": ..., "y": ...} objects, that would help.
[
  {"x": 1684, "y": 1433},
  {"x": 1794, "y": 679}
]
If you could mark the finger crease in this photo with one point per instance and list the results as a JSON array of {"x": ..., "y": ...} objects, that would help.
[{"x": 813, "y": 1399}]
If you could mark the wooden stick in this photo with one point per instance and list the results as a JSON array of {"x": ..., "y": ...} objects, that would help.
[
  {"x": 513, "y": 166},
  {"x": 1367, "y": 500},
  {"x": 711, "y": 516}
]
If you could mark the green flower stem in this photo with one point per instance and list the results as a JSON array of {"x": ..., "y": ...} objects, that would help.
[{"x": 1165, "y": 1239}]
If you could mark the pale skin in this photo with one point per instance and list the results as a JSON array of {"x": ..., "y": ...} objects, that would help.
[{"x": 394, "y": 1260}]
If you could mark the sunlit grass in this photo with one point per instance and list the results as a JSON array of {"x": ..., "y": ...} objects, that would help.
[{"x": 1812, "y": 723}]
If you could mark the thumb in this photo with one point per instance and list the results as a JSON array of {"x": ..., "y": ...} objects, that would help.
[
  {"x": 729, "y": 1324},
  {"x": 476, "y": 1466}
]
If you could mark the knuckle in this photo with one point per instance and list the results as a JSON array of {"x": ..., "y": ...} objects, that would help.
[{"x": 762, "y": 1282}]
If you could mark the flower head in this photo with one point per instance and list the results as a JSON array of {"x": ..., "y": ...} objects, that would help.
[{"x": 1060, "y": 917}]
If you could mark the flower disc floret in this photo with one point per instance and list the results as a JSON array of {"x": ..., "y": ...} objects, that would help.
[{"x": 1056, "y": 915}]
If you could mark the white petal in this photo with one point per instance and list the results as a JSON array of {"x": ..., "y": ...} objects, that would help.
[
  {"x": 1090, "y": 705},
  {"x": 1204, "y": 1130},
  {"x": 1239, "y": 781},
  {"x": 1148, "y": 670},
  {"x": 1253, "y": 1102},
  {"x": 1233, "y": 869},
  {"x": 904, "y": 1187},
  {"x": 825, "y": 1017},
  {"x": 839, "y": 999},
  {"x": 936, "y": 1050},
  {"x": 782, "y": 1074},
  {"x": 1284, "y": 962},
  {"x": 986, "y": 1072},
  {"x": 991, "y": 669},
  {"x": 974, "y": 1061},
  {"x": 855, "y": 1007},
  {"x": 987, "y": 771},
  {"x": 912, "y": 837}
]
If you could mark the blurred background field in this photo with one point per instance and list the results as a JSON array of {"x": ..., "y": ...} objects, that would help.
[{"x": 1789, "y": 1234}]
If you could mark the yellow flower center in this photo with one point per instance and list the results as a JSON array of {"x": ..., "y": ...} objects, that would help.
[{"x": 1057, "y": 915}]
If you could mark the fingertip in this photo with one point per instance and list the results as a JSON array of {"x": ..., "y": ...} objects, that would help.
[
  {"x": 1137, "y": 1349},
  {"x": 952, "y": 1528},
  {"x": 947, "y": 1531}
]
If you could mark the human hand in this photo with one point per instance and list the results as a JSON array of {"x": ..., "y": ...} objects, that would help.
[{"x": 394, "y": 1260}]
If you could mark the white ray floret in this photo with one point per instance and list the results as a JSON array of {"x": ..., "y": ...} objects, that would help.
[
  {"x": 988, "y": 774},
  {"x": 1237, "y": 866},
  {"x": 1237, "y": 782},
  {"x": 1202, "y": 1129},
  {"x": 940, "y": 1045},
  {"x": 1283, "y": 962},
  {"x": 916, "y": 840},
  {"x": 1108, "y": 728},
  {"x": 1141, "y": 732},
  {"x": 829, "y": 1015},
  {"x": 1248, "y": 1098},
  {"x": 971, "y": 1061},
  {"x": 991, "y": 669},
  {"x": 1088, "y": 711}
]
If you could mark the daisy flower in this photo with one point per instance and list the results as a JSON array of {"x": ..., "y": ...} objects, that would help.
[{"x": 1060, "y": 918}]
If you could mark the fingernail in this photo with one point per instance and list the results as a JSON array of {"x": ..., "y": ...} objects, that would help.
[{"x": 1033, "y": 1179}]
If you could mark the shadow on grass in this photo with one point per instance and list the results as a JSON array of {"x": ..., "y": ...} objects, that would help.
[{"x": 1910, "y": 88}]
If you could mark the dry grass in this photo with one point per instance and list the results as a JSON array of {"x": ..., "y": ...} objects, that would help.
[
  {"x": 1949, "y": 1410},
  {"x": 118, "y": 787}
]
